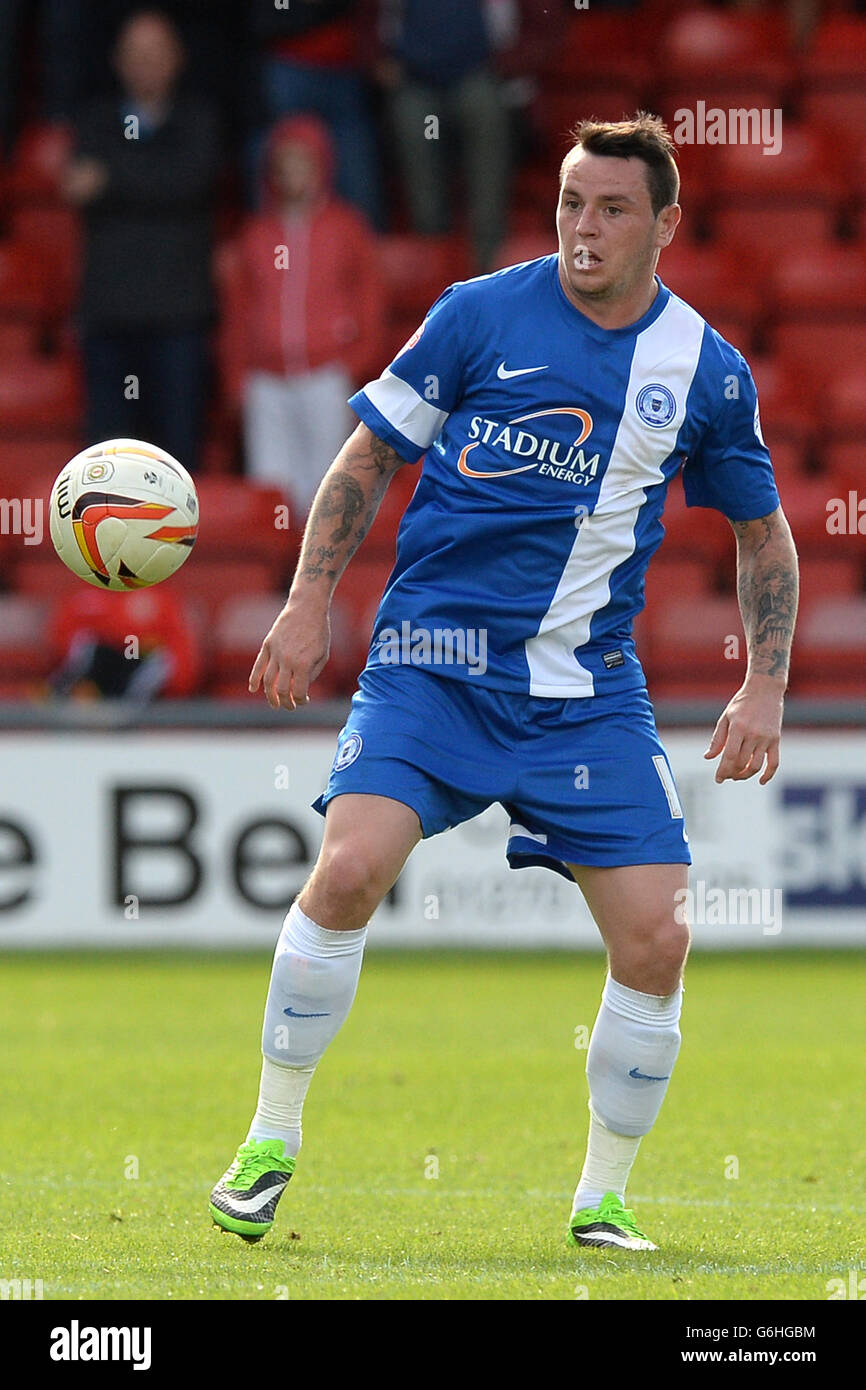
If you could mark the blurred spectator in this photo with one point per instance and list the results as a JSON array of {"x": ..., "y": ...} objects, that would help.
[
  {"x": 134, "y": 646},
  {"x": 438, "y": 67},
  {"x": 307, "y": 314},
  {"x": 144, "y": 175},
  {"x": 11, "y": 13},
  {"x": 309, "y": 63}
]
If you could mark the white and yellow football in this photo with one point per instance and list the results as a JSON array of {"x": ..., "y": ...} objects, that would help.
[{"x": 123, "y": 514}]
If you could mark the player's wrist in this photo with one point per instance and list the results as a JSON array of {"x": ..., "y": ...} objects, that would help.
[
  {"x": 767, "y": 682},
  {"x": 312, "y": 599}
]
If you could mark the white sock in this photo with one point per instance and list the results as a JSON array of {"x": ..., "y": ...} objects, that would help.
[
  {"x": 609, "y": 1159},
  {"x": 282, "y": 1092},
  {"x": 313, "y": 984},
  {"x": 634, "y": 1044}
]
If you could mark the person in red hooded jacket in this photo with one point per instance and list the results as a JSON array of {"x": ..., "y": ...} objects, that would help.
[
  {"x": 135, "y": 647},
  {"x": 309, "y": 308}
]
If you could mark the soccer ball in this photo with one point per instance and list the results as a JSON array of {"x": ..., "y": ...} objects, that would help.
[{"x": 123, "y": 514}]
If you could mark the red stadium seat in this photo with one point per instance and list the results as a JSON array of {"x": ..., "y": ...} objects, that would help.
[
  {"x": 724, "y": 59},
  {"x": 821, "y": 577},
  {"x": 17, "y": 339},
  {"x": 210, "y": 582},
  {"x": 817, "y": 346},
  {"x": 23, "y": 281},
  {"x": 807, "y": 167},
  {"x": 843, "y": 405},
  {"x": 356, "y": 600},
  {"x": 54, "y": 234},
  {"x": 558, "y": 110},
  {"x": 694, "y": 532},
  {"x": 763, "y": 204},
  {"x": 230, "y": 336},
  {"x": 674, "y": 578},
  {"x": 600, "y": 42},
  {"x": 241, "y": 519},
  {"x": 35, "y": 463},
  {"x": 708, "y": 276},
  {"x": 24, "y": 653},
  {"x": 836, "y": 52},
  {"x": 843, "y": 460},
  {"x": 39, "y": 396},
  {"x": 688, "y": 644},
  {"x": 526, "y": 247},
  {"x": 835, "y": 110},
  {"x": 417, "y": 269},
  {"x": 820, "y": 278},
  {"x": 704, "y": 43},
  {"x": 786, "y": 399},
  {"x": 40, "y": 574},
  {"x": 805, "y": 507},
  {"x": 830, "y": 646},
  {"x": 38, "y": 161},
  {"x": 789, "y": 463},
  {"x": 240, "y": 626},
  {"x": 760, "y": 231}
]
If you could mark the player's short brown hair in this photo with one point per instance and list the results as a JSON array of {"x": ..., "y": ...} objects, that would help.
[{"x": 644, "y": 137}]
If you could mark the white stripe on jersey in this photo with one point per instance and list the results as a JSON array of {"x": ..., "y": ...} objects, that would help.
[
  {"x": 668, "y": 349},
  {"x": 403, "y": 408}
]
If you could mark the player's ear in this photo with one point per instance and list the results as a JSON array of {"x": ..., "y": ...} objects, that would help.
[{"x": 668, "y": 221}]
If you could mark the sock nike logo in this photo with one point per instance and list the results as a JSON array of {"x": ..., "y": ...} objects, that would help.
[
  {"x": 642, "y": 1076},
  {"x": 291, "y": 1013}
]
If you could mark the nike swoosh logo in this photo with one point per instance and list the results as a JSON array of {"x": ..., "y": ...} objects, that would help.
[
  {"x": 291, "y": 1014},
  {"x": 641, "y": 1076},
  {"x": 254, "y": 1204},
  {"x": 504, "y": 373}
]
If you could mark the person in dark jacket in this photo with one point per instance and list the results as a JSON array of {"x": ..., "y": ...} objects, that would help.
[{"x": 143, "y": 174}]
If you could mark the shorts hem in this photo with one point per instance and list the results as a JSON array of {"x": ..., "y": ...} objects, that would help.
[
  {"x": 526, "y": 859},
  {"x": 322, "y": 802}
]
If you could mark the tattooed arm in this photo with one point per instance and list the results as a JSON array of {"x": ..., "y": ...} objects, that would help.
[
  {"x": 297, "y": 646},
  {"x": 750, "y": 728}
]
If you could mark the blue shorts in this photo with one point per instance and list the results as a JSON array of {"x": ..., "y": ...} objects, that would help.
[{"x": 585, "y": 781}]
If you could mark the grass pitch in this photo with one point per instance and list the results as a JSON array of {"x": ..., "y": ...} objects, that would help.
[{"x": 443, "y": 1133}]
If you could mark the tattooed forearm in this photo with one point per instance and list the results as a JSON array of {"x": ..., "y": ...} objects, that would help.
[
  {"x": 373, "y": 454},
  {"x": 344, "y": 507},
  {"x": 767, "y": 589}
]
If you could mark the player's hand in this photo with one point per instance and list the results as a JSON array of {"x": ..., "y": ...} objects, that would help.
[
  {"x": 291, "y": 656},
  {"x": 748, "y": 732},
  {"x": 84, "y": 180}
]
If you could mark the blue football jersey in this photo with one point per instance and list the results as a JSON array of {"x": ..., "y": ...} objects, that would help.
[{"x": 548, "y": 445}]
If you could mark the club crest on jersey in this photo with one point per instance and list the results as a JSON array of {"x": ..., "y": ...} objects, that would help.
[{"x": 656, "y": 405}]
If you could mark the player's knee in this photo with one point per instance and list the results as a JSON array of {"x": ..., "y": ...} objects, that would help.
[
  {"x": 656, "y": 953},
  {"x": 354, "y": 873},
  {"x": 672, "y": 943}
]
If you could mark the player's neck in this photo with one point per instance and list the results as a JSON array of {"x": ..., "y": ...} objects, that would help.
[{"x": 618, "y": 313}]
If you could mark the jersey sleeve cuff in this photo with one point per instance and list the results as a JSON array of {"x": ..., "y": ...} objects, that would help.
[{"x": 383, "y": 429}]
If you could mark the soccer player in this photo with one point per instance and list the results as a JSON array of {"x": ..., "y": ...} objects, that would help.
[{"x": 552, "y": 403}]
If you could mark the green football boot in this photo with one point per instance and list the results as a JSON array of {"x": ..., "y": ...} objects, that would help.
[
  {"x": 610, "y": 1226},
  {"x": 245, "y": 1198}
]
